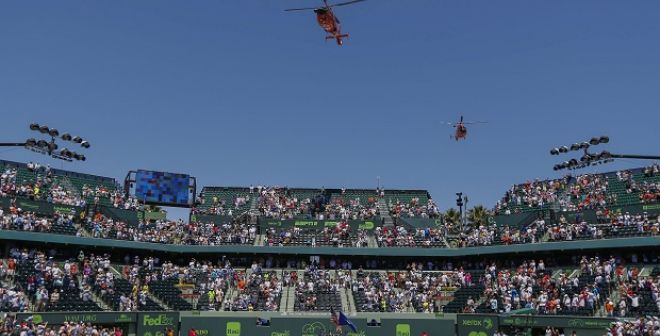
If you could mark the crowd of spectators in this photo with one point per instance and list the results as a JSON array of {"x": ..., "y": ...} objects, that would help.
[
  {"x": 409, "y": 237},
  {"x": 115, "y": 197},
  {"x": 49, "y": 188},
  {"x": 609, "y": 224},
  {"x": 637, "y": 294},
  {"x": 97, "y": 273},
  {"x": 341, "y": 235},
  {"x": 351, "y": 209},
  {"x": 531, "y": 194},
  {"x": 414, "y": 209},
  {"x": 588, "y": 191},
  {"x": 45, "y": 283},
  {"x": 261, "y": 291},
  {"x": 277, "y": 203},
  {"x": 172, "y": 232},
  {"x": 566, "y": 231},
  {"x": 221, "y": 206},
  {"x": 643, "y": 326},
  {"x": 575, "y": 193},
  {"x": 281, "y": 203},
  {"x": 17, "y": 219},
  {"x": 12, "y": 298},
  {"x": 531, "y": 286},
  {"x": 317, "y": 286},
  {"x": 45, "y": 187},
  {"x": 479, "y": 235},
  {"x": 417, "y": 287},
  {"x": 10, "y": 326},
  {"x": 649, "y": 191},
  {"x": 411, "y": 290}
]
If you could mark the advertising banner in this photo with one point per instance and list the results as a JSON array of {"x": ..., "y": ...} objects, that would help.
[
  {"x": 367, "y": 225},
  {"x": 40, "y": 207},
  {"x": 476, "y": 325},
  {"x": 156, "y": 323},
  {"x": 94, "y": 318}
]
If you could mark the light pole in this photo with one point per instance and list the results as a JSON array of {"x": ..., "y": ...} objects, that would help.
[
  {"x": 465, "y": 204},
  {"x": 50, "y": 147},
  {"x": 459, "y": 204},
  {"x": 589, "y": 158}
]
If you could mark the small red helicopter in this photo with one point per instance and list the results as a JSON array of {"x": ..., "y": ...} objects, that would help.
[
  {"x": 461, "y": 130},
  {"x": 327, "y": 19}
]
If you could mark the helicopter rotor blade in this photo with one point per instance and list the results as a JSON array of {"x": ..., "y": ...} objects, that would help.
[
  {"x": 345, "y": 3},
  {"x": 475, "y": 122},
  {"x": 299, "y": 9}
]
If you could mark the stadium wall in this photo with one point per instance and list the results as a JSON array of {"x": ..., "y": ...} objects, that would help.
[
  {"x": 582, "y": 245},
  {"x": 245, "y": 323}
]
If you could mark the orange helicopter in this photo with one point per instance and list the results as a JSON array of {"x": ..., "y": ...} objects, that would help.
[
  {"x": 327, "y": 19},
  {"x": 461, "y": 130}
]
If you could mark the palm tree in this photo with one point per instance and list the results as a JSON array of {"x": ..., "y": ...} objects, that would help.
[
  {"x": 452, "y": 218},
  {"x": 478, "y": 215}
]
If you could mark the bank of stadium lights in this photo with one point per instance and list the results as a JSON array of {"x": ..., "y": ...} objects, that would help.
[
  {"x": 51, "y": 148},
  {"x": 592, "y": 159}
]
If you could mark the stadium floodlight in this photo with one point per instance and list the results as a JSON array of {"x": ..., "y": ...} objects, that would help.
[
  {"x": 589, "y": 159},
  {"x": 49, "y": 146}
]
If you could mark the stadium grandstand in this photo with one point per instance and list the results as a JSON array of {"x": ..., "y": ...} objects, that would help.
[{"x": 572, "y": 255}]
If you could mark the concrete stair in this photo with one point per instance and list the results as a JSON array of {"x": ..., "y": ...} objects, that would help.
[
  {"x": 95, "y": 298},
  {"x": 384, "y": 211},
  {"x": 290, "y": 299}
]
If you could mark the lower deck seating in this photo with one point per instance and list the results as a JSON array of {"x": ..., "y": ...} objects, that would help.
[{"x": 166, "y": 291}]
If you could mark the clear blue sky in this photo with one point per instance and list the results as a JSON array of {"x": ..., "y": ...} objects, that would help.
[{"x": 239, "y": 92}]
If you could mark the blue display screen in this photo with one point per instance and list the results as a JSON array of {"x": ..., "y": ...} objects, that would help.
[{"x": 162, "y": 188}]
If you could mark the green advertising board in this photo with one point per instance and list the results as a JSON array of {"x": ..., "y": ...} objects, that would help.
[
  {"x": 215, "y": 219},
  {"x": 408, "y": 327},
  {"x": 151, "y": 215},
  {"x": 40, "y": 207},
  {"x": 321, "y": 325},
  {"x": 534, "y": 321},
  {"x": 312, "y": 326},
  {"x": 367, "y": 225},
  {"x": 421, "y": 223},
  {"x": 156, "y": 323},
  {"x": 220, "y": 326},
  {"x": 476, "y": 325},
  {"x": 128, "y": 216},
  {"x": 95, "y": 318}
]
